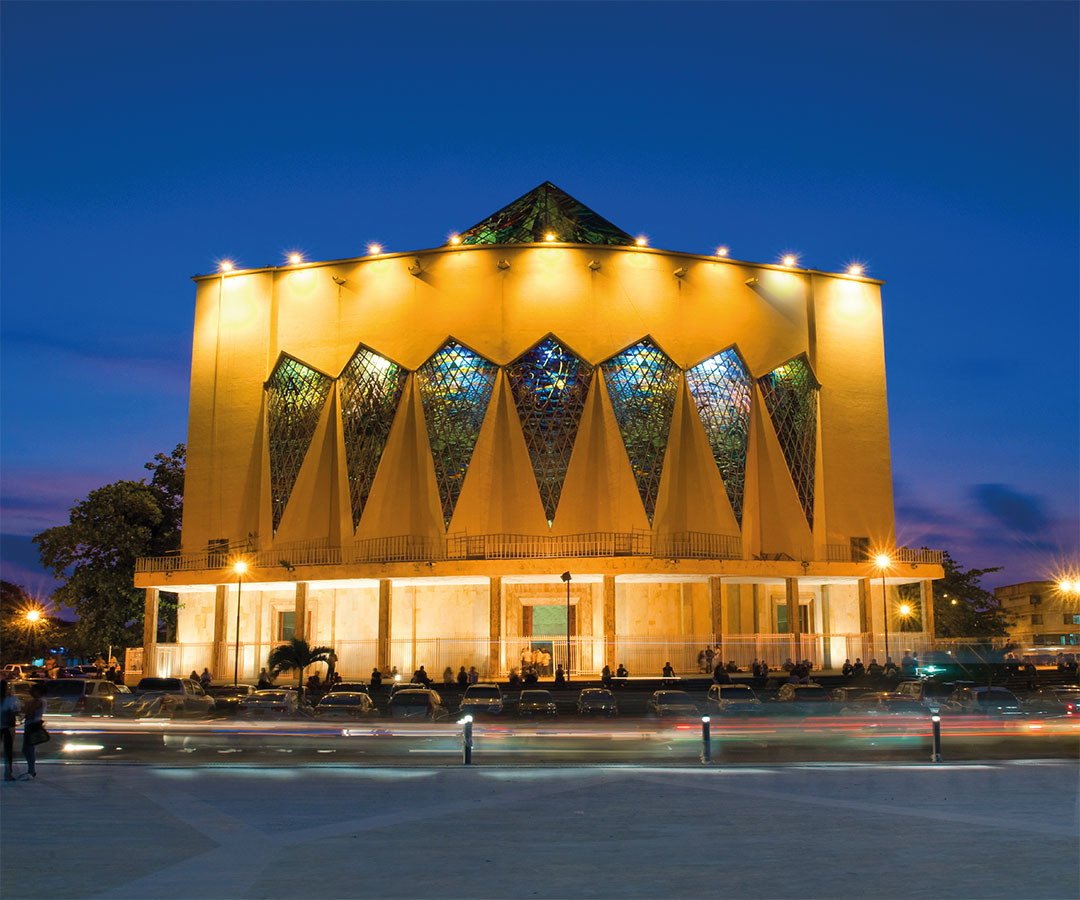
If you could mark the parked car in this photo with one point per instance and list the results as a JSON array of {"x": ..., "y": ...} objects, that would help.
[
  {"x": 416, "y": 703},
  {"x": 407, "y": 686},
  {"x": 80, "y": 696},
  {"x": 15, "y": 671},
  {"x": 1058, "y": 700},
  {"x": 346, "y": 705},
  {"x": 537, "y": 703},
  {"x": 277, "y": 703},
  {"x": 672, "y": 705},
  {"x": 597, "y": 702},
  {"x": 930, "y": 694},
  {"x": 803, "y": 698},
  {"x": 227, "y": 697},
  {"x": 351, "y": 687},
  {"x": 848, "y": 692},
  {"x": 482, "y": 700},
  {"x": 883, "y": 703},
  {"x": 732, "y": 699},
  {"x": 984, "y": 701},
  {"x": 165, "y": 697}
]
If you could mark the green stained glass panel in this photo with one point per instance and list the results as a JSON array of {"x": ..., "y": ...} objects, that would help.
[{"x": 790, "y": 392}]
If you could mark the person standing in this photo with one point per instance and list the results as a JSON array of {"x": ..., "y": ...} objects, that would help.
[
  {"x": 206, "y": 678},
  {"x": 331, "y": 665},
  {"x": 9, "y": 709},
  {"x": 32, "y": 723}
]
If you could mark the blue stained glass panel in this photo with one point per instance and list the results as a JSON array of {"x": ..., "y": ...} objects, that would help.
[
  {"x": 550, "y": 386},
  {"x": 370, "y": 389},
  {"x": 295, "y": 396},
  {"x": 720, "y": 387},
  {"x": 643, "y": 384},
  {"x": 455, "y": 387},
  {"x": 790, "y": 392}
]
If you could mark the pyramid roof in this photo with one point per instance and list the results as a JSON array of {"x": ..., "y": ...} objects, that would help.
[{"x": 545, "y": 210}]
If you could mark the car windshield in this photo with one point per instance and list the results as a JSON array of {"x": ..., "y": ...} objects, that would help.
[
  {"x": 595, "y": 695},
  {"x": 276, "y": 696},
  {"x": 63, "y": 688},
  {"x": 343, "y": 699},
  {"x": 803, "y": 691},
  {"x": 482, "y": 693},
  {"x": 737, "y": 692},
  {"x": 535, "y": 696},
  {"x": 410, "y": 698},
  {"x": 678, "y": 698},
  {"x": 231, "y": 691},
  {"x": 159, "y": 684}
]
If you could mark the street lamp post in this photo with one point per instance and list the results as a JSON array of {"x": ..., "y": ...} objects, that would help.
[
  {"x": 883, "y": 562},
  {"x": 239, "y": 567},
  {"x": 566, "y": 578}
]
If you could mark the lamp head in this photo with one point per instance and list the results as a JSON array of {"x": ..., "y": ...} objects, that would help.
[
  {"x": 565, "y": 576},
  {"x": 883, "y": 560},
  {"x": 240, "y": 566}
]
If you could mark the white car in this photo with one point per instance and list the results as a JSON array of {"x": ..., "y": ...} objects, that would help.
[{"x": 733, "y": 699}]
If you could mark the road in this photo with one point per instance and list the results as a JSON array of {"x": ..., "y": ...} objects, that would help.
[{"x": 748, "y": 741}]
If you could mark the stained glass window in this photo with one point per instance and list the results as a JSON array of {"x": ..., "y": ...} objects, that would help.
[
  {"x": 295, "y": 396},
  {"x": 370, "y": 387},
  {"x": 643, "y": 384},
  {"x": 790, "y": 393},
  {"x": 549, "y": 385},
  {"x": 455, "y": 387},
  {"x": 545, "y": 210},
  {"x": 721, "y": 389}
]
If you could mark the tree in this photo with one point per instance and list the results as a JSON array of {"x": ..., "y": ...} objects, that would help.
[
  {"x": 963, "y": 608},
  {"x": 296, "y": 655},
  {"x": 94, "y": 554}
]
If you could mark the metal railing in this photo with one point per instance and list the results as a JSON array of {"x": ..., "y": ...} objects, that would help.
[{"x": 417, "y": 548}]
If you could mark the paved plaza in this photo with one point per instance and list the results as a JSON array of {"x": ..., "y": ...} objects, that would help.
[{"x": 1000, "y": 830}]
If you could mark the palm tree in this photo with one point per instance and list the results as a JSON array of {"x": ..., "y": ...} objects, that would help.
[{"x": 296, "y": 655}]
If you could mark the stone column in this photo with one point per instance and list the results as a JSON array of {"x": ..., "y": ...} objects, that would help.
[
  {"x": 826, "y": 627},
  {"x": 149, "y": 634},
  {"x": 791, "y": 598},
  {"x": 382, "y": 650},
  {"x": 716, "y": 608},
  {"x": 218, "y": 653},
  {"x": 494, "y": 624},
  {"x": 300, "y": 617},
  {"x": 609, "y": 620},
  {"x": 926, "y": 600},
  {"x": 866, "y": 615}
]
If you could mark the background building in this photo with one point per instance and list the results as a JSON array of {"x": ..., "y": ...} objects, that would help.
[
  {"x": 1041, "y": 614},
  {"x": 409, "y": 449}
]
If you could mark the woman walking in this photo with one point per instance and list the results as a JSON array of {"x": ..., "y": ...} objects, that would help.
[
  {"x": 33, "y": 723},
  {"x": 9, "y": 707}
]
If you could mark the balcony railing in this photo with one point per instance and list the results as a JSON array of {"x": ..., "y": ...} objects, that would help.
[{"x": 414, "y": 548}]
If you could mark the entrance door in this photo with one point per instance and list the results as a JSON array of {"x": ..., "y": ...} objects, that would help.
[{"x": 545, "y": 625}]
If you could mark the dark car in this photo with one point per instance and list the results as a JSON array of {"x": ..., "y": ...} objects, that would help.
[
  {"x": 848, "y": 692},
  {"x": 1059, "y": 700},
  {"x": 672, "y": 705},
  {"x": 732, "y": 699},
  {"x": 416, "y": 703},
  {"x": 597, "y": 702},
  {"x": 883, "y": 703},
  {"x": 81, "y": 696},
  {"x": 930, "y": 693},
  {"x": 227, "y": 697},
  {"x": 537, "y": 703},
  {"x": 482, "y": 699},
  {"x": 351, "y": 687},
  {"x": 983, "y": 701},
  {"x": 346, "y": 705},
  {"x": 406, "y": 686},
  {"x": 803, "y": 699}
]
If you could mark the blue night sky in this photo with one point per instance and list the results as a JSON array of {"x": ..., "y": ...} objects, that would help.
[{"x": 935, "y": 142}]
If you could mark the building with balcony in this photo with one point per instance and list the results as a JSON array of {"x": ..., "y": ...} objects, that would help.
[
  {"x": 1041, "y": 613},
  {"x": 409, "y": 450}
]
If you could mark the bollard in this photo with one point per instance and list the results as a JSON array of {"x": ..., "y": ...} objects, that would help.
[
  {"x": 466, "y": 739},
  {"x": 935, "y": 756},
  {"x": 706, "y": 741}
]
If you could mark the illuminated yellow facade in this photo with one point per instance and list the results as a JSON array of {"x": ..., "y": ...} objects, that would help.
[{"x": 384, "y": 443}]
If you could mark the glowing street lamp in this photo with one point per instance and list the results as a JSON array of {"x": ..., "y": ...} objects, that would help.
[
  {"x": 239, "y": 567},
  {"x": 33, "y": 616},
  {"x": 883, "y": 561}
]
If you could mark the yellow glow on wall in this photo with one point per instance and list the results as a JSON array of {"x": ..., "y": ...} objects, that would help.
[
  {"x": 238, "y": 307},
  {"x": 302, "y": 281},
  {"x": 852, "y": 301}
]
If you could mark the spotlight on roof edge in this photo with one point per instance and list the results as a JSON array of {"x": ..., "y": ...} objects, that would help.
[
  {"x": 374, "y": 249},
  {"x": 642, "y": 241},
  {"x": 225, "y": 265},
  {"x": 295, "y": 259},
  {"x": 549, "y": 236},
  {"x": 721, "y": 251},
  {"x": 855, "y": 270},
  {"x": 790, "y": 260},
  {"x": 455, "y": 239}
]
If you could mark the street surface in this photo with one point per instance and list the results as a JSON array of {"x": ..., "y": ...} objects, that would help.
[
  {"x": 573, "y": 741},
  {"x": 1003, "y": 829}
]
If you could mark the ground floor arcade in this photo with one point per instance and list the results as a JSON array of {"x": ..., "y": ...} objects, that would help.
[{"x": 642, "y": 619}]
